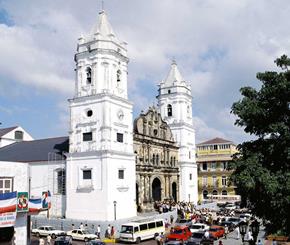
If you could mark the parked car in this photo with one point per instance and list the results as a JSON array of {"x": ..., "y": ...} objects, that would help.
[
  {"x": 230, "y": 206},
  {"x": 181, "y": 233},
  {"x": 234, "y": 220},
  {"x": 182, "y": 222},
  {"x": 198, "y": 238},
  {"x": 245, "y": 216},
  {"x": 63, "y": 240},
  {"x": 82, "y": 235},
  {"x": 198, "y": 227},
  {"x": 47, "y": 230},
  {"x": 216, "y": 231}
]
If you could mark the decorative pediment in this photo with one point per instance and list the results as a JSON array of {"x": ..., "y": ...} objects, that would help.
[{"x": 151, "y": 124}]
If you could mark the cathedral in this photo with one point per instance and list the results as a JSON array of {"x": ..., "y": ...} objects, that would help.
[{"x": 108, "y": 161}]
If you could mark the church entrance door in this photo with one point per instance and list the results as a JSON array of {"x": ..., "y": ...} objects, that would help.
[
  {"x": 174, "y": 194},
  {"x": 156, "y": 190}
]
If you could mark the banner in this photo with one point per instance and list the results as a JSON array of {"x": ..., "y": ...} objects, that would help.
[
  {"x": 8, "y": 202},
  {"x": 35, "y": 205},
  {"x": 46, "y": 202},
  {"x": 22, "y": 202},
  {"x": 7, "y": 219}
]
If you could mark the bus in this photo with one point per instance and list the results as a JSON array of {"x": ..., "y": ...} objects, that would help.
[{"x": 140, "y": 230}]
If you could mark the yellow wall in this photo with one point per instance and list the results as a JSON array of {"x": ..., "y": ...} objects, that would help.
[{"x": 208, "y": 155}]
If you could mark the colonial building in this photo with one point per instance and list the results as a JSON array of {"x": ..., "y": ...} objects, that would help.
[
  {"x": 97, "y": 171},
  {"x": 157, "y": 168},
  {"x": 213, "y": 157},
  {"x": 175, "y": 105}
]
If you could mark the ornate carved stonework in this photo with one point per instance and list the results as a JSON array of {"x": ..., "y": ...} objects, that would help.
[{"x": 157, "y": 171}]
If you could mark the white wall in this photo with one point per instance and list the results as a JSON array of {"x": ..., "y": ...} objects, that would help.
[
  {"x": 95, "y": 202},
  {"x": 43, "y": 178}
]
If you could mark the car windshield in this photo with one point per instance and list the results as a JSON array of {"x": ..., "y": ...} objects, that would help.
[
  {"x": 50, "y": 228},
  {"x": 234, "y": 219},
  {"x": 177, "y": 232},
  {"x": 126, "y": 229},
  {"x": 85, "y": 232},
  {"x": 213, "y": 229},
  {"x": 197, "y": 235},
  {"x": 196, "y": 226}
]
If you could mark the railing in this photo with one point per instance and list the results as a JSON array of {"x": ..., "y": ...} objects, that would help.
[{"x": 224, "y": 198}]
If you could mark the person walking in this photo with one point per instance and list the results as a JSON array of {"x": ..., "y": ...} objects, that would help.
[
  {"x": 226, "y": 231},
  {"x": 274, "y": 242},
  {"x": 108, "y": 231},
  {"x": 81, "y": 226},
  {"x": 237, "y": 230},
  {"x": 220, "y": 242},
  {"x": 98, "y": 233},
  {"x": 112, "y": 233},
  {"x": 48, "y": 239}
]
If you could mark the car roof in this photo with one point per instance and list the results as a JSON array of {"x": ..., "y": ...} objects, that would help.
[{"x": 180, "y": 227}]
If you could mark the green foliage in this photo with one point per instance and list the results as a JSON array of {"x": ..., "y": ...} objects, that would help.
[{"x": 262, "y": 166}]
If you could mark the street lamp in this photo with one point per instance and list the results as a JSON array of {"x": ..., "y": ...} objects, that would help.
[
  {"x": 243, "y": 229},
  {"x": 255, "y": 226},
  {"x": 115, "y": 215}
]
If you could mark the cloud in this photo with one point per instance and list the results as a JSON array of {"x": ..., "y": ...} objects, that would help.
[{"x": 219, "y": 46}]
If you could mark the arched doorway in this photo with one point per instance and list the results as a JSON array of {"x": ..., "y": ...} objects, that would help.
[
  {"x": 205, "y": 193},
  {"x": 156, "y": 190},
  {"x": 174, "y": 191}
]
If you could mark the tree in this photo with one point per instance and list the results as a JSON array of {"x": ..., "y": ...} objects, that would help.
[{"x": 262, "y": 166}]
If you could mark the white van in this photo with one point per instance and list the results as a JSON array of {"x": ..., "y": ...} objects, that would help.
[{"x": 140, "y": 230}]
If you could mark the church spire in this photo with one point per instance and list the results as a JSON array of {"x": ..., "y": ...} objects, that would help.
[
  {"x": 174, "y": 74},
  {"x": 103, "y": 27}
]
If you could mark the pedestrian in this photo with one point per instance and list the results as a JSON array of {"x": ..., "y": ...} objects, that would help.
[
  {"x": 226, "y": 231},
  {"x": 206, "y": 234},
  {"x": 108, "y": 231},
  {"x": 112, "y": 233},
  {"x": 98, "y": 233},
  {"x": 274, "y": 242},
  {"x": 220, "y": 242},
  {"x": 81, "y": 226},
  {"x": 72, "y": 226},
  {"x": 86, "y": 226},
  {"x": 237, "y": 230},
  {"x": 48, "y": 239},
  {"x": 41, "y": 241},
  {"x": 259, "y": 242}
]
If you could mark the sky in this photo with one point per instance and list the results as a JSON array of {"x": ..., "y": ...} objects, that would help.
[{"x": 219, "y": 46}]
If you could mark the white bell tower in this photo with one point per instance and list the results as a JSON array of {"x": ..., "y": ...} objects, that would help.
[
  {"x": 175, "y": 105},
  {"x": 100, "y": 163}
]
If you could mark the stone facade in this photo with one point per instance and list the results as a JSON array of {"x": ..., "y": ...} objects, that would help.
[{"x": 157, "y": 170}]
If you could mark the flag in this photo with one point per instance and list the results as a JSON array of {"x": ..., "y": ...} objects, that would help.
[
  {"x": 35, "y": 205},
  {"x": 8, "y": 202}
]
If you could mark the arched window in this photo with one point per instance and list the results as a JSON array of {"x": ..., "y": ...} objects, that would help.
[
  {"x": 153, "y": 159},
  {"x": 89, "y": 75},
  {"x": 169, "y": 110},
  {"x": 171, "y": 161},
  {"x": 174, "y": 161},
  {"x": 157, "y": 159},
  {"x": 214, "y": 192},
  {"x": 118, "y": 76},
  {"x": 224, "y": 192}
]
